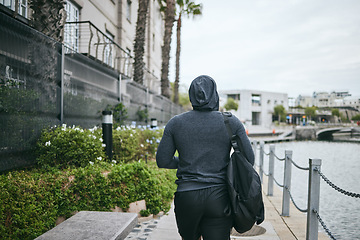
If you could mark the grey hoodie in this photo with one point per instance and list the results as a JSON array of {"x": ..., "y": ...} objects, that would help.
[{"x": 201, "y": 139}]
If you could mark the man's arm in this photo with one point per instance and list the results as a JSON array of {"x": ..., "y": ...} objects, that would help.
[{"x": 165, "y": 154}]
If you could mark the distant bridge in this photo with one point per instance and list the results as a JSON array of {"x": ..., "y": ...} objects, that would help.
[{"x": 327, "y": 133}]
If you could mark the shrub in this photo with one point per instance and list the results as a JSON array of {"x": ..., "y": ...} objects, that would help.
[
  {"x": 133, "y": 144},
  {"x": 356, "y": 117},
  {"x": 32, "y": 200},
  {"x": 65, "y": 146}
]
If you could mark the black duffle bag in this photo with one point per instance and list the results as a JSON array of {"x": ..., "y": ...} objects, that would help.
[{"x": 244, "y": 186}]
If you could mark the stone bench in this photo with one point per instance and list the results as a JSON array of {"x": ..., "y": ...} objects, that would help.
[{"x": 93, "y": 225}]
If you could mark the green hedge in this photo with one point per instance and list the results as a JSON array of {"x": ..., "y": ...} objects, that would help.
[{"x": 73, "y": 174}]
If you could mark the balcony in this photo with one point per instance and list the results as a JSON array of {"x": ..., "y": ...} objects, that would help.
[{"x": 85, "y": 38}]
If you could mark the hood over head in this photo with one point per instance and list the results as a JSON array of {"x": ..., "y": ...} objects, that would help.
[{"x": 203, "y": 94}]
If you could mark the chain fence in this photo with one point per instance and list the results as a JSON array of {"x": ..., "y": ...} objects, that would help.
[
  {"x": 321, "y": 175},
  {"x": 347, "y": 193}
]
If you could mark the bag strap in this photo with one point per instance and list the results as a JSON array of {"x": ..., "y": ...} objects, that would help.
[{"x": 232, "y": 137}]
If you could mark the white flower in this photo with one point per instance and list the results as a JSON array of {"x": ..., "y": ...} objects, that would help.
[
  {"x": 101, "y": 140},
  {"x": 141, "y": 145},
  {"x": 81, "y": 130},
  {"x": 103, "y": 145},
  {"x": 99, "y": 158},
  {"x": 47, "y": 143},
  {"x": 113, "y": 161},
  {"x": 131, "y": 135},
  {"x": 91, "y": 163},
  {"x": 94, "y": 137}
]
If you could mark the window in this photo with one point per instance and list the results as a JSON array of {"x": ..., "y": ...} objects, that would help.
[
  {"x": 109, "y": 38},
  {"x": 128, "y": 10},
  {"x": 21, "y": 8},
  {"x": 234, "y": 96},
  {"x": 153, "y": 42},
  {"x": 127, "y": 62},
  {"x": 71, "y": 30},
  {"x": 256, "y": 99}
]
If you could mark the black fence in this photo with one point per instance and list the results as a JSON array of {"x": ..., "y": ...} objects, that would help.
[{"x": 42, "y": 85}]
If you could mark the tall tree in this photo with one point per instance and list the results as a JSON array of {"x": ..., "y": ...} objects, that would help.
[
  {"x": 280, "y": 111},
  {"x": 48, "y": 17},
  {"x": 140, "y": 41},
  {"x": 167, "y": 7},
  {"x": 185, "y": 8}
]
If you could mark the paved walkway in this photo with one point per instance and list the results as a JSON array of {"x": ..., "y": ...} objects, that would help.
[{"x": 277, "y": 227}]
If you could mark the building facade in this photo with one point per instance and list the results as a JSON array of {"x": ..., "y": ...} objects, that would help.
[
  {"x": 255, "y": 107},
  {"x": 105, "y": 30},
  {"x": 348, "y": 105}
]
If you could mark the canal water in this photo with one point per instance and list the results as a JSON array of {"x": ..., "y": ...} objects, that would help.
[{"x": 341, "y": 165}]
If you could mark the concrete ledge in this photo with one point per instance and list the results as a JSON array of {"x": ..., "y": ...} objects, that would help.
[{"x": 93, "y": 225}]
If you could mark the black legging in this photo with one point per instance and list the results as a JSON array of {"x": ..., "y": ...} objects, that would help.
[{"x": 204, "y": 212}]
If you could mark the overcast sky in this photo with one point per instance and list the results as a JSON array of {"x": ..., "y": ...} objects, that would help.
[{"x": 289, "y": 46}]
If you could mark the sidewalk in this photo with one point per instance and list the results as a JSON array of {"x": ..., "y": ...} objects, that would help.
[{"x": 277, "y": 227}]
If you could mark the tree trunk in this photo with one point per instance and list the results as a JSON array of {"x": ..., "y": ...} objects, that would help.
[
  {"x": 49, "y": 17},
  {"x": 140, "y": 41},
  {"x": 169, "y": 22},
  {"x": 177, "y": 62}
]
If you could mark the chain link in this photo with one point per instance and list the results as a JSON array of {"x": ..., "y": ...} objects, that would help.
[
  {"x": 347, "y": 193},
  {"x": 280, "y": 159},
  {"x": 292, "y": 199},
  {"x": 302, "y": 168},
  {"x": 280, "y": 185},
  {"x": 323, "y": 224}
]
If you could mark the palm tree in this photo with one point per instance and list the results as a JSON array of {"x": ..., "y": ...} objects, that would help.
[
  {"x": 48, "y": 17},
  {"x": 140, "y": 41},
  {"x": 169, "y": 11},
  {"x": 184, "y": 8}
]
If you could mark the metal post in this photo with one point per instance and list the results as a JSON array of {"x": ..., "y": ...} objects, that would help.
[
  {"x": 261, "y": 159},
  {"x": 107, "y": 132},
  {"x": 287, "y": 184},
  {"x": 255, "y": 148},
  {"x": 62, "y": 84},
  {"x": 271, "y": 170},
  {"x": 313, "y": 199},
  {"x": 119, "y": 87}
]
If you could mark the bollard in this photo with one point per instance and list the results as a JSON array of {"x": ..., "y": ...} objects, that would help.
[
  {"x": 261, "y": 159},
  {"x": 107, "y": 123},
  {"x": 313, "y": 199},
  {"x": 271, "y": 170},
  {"x": 287, "y": 184},
  {"x": 153, "y": 122}
]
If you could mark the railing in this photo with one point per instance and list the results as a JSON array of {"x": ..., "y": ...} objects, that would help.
[
  {"x": 85, "y": 38},
  {"x": 315, "y": 174}
]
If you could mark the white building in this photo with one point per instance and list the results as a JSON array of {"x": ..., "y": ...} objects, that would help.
[
  {"x": 256, "y": 107},
  {"x": 323, "y": 99}
]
